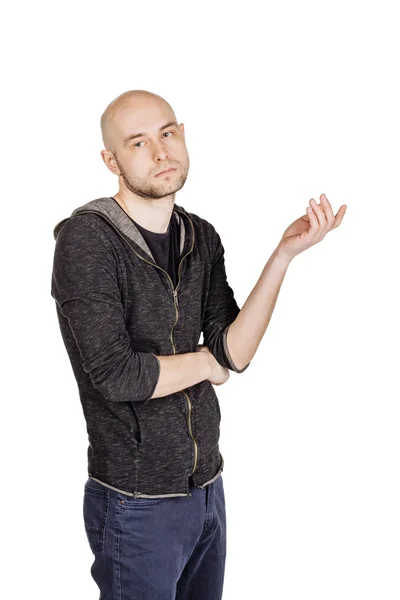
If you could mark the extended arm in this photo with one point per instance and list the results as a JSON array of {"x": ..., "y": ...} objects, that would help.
[{"x": 245, "y": 333}]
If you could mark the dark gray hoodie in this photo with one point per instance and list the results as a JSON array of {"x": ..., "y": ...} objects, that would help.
[{"x": 117, "y": 310}]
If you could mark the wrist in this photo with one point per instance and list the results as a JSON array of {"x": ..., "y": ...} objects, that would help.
[
  {"x": 207, "y": 363},
  {"x": 281, "y": 258}
]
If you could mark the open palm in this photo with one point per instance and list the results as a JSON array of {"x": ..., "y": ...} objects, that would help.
[{"x": 310, "y": 228}]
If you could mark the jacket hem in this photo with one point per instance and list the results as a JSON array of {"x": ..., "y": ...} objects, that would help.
[
  {"x": 211, "y": 480},
  {"x": 111, "y": 486},
  {"x": 203, "y": 485},
  {"x": 138, "y": 494}
]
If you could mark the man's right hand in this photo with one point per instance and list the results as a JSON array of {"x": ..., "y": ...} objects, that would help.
[{"x": 219, "y": 374}]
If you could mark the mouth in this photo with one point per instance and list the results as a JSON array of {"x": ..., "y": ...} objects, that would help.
[{"x": 165, "y": 172}]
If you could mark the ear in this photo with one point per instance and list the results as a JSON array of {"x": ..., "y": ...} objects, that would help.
[{"x": 110, "y": 162}]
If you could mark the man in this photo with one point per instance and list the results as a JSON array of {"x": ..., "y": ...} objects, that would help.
[{"x": 136, "y": 279}]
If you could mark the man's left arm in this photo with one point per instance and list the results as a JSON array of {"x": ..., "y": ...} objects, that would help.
[
  {"x": 221, "y": 311},
  {"x": 243, "y": 335}
]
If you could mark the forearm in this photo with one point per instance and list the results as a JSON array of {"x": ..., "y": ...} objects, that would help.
[
  {"x": 179, "y": 371},
  {"x": 245, "y": 333}
]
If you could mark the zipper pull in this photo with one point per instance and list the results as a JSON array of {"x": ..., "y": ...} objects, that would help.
[{"x": 176, "y": 297}]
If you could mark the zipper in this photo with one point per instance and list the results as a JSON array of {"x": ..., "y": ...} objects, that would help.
[{"x": 175, "y": 300}]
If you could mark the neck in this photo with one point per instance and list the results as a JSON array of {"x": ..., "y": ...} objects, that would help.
[{"x": 152, "y": 214}]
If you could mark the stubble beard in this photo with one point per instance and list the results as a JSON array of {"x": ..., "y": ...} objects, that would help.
[{"x": 153, "y": 192}]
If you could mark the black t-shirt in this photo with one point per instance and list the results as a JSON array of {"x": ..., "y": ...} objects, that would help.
[{"x": 165, "y": 247}]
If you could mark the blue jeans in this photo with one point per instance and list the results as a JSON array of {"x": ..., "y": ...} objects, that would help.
[{"x": 157, "y": 549}]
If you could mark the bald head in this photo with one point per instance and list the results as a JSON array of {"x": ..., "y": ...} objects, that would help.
[{"x": 134, "y": 100}]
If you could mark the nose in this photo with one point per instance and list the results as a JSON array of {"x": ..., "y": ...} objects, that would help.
[{"x": 160, "y": 153}]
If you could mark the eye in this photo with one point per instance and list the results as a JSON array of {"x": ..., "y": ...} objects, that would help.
[{"x": 136, "y": 145}]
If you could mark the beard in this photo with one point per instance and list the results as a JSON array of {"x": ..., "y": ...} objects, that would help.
[{"x": 143, "y": 188}]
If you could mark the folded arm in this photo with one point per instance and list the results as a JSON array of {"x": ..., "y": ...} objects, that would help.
[{"x": 85, "y": 287}]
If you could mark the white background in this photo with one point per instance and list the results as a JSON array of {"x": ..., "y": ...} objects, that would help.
[{"x": 281, "y": 102}]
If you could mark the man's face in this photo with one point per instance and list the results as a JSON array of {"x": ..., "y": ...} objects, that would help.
[{"x": 140, "y": 158}]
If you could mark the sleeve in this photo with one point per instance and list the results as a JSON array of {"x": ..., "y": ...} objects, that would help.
[
  {"x": 85, "y": 286},
  {"x": 221, "y": 310}
]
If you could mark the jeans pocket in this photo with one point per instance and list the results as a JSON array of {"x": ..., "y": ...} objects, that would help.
[
  {"x": 95, "y": 510},
  {"x": 139, "y": 502}
]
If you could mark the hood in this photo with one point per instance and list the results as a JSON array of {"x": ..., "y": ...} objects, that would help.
[{"x": 111, "y": 211}]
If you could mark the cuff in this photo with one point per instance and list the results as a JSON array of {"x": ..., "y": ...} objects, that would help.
[{"x": 228, "y": 356}]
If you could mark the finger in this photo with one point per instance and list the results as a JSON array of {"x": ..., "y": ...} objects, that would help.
[
  {"x": 319, "y": 212},
  {"x": 339, "y": 216},
  {"x": 328, "y": 209},
  {"x": 314, "y": 225}
]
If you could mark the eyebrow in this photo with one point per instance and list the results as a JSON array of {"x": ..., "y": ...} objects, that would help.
[{"x": 136, "y": 135}]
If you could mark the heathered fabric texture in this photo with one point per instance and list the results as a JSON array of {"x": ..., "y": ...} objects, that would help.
[{"x": 116, "y": 314}]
